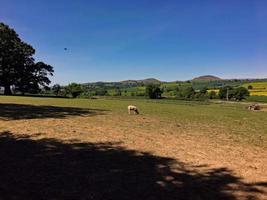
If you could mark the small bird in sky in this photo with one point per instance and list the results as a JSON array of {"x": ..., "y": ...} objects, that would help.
[{"x": 65, "y": 49}]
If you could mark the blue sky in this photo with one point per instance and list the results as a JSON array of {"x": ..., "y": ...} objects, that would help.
[{"x": 113, "y": 40}]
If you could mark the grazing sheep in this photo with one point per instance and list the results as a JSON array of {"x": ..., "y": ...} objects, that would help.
[
  {"x": 254, "y": 107},
  {"x": 132, "y": 108}
]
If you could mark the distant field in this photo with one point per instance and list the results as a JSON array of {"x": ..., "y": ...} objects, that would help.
[
  {"x": 131, "y": 91},
  {"x": 174, "y": 85},
  {"x": 169, "y": 89},
  {"x": 259, "y": 88},
  {"x": 257, "y": 99},
  {"x": 257, "y": 85},
  {"x": 258, "y": 93}
]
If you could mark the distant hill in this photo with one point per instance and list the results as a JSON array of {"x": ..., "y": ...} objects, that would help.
[
  {"x": 206, "y": 78},
  {"x": 198, "y": 82},
  {"x": 144, "y": 81},
  {"x": 126, "y": 83}
]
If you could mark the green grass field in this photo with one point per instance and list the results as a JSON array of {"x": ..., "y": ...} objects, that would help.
[
  {"x": 231, "y": 120},
  {"x": 262, "y": 99},
  {"x": 135, "y": 91}
]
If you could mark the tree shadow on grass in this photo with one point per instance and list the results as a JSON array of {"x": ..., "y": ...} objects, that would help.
[
  {"x": 24, "y": 111},
  {"x": 32, "y": 168}
]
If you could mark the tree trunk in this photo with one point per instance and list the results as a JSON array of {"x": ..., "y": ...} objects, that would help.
[{"x": 7, "y": 90}]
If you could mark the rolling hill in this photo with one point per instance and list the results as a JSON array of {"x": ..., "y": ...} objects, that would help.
[{"x": 206, "y": 78}]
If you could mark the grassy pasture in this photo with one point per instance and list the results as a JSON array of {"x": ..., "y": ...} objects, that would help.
[
  {"x": 92, "y": 149},
  {"x": 262, "y": 99},
  {"x": 232, "y": 120},
  {"x": 128, "y": 91}
]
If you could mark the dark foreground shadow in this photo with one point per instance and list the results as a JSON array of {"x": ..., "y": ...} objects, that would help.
[
  {"x": 24, "y": 111},
  {"x": 50, "y": 169}
]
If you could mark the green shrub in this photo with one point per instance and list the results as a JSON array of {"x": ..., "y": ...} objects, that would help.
[
  {"x": 153, "y": 91},
  {"x": 229, "y": 92},
  {"x": 241, "y": 93},
  {"x": 74, "y": 89},
  {"x": 212, "y": 95}
]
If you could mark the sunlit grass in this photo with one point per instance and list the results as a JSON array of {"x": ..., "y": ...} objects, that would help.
[{"x": 233, "y": 120}]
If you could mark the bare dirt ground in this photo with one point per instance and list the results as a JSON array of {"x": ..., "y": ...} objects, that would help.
[{"x": 197, "y": 166}]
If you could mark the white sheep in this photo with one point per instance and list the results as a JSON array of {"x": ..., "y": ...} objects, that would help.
[{"x": 132, "y": 108}]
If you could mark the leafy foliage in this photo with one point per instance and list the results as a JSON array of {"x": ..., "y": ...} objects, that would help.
[
  {"x": 204, "y": 90},
  {"x": 229, "y": 92},
  {"x": 56, "y": 89},
  {"x": 153, "y": 91},
  {"x": 187, "y": 93},
  {"x": 74, "y": 89},
  {"x": 241, "y": 93},
  {"x": 212, "y": 95},
  {"x": 17, "y": 65},
  {"x": 226, "y": 92}
]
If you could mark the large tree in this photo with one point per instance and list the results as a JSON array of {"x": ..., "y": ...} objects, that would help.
[
  {"x": 229, "y": 92},
  {"x": 241, "y": 93},
  {"x": 17, "y": 65},
  {"x": 153, "y": 91},
  {"x": 226, "y": 92}
]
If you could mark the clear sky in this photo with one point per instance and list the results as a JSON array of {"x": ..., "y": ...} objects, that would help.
[{"x": 112, "y": 40}]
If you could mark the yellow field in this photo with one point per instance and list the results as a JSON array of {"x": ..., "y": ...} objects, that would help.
[
  {"x": 257, "y": 85},
  {"x": 215, "y": 90},
  {"x": 258, "y": 93},
  {"x": 259, "y": 88}
]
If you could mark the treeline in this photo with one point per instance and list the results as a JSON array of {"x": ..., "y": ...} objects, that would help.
[
  {"x": 75, "y": 90},
  {"x": 152, "y": 91},
  {"x": 225, "y": 93}
]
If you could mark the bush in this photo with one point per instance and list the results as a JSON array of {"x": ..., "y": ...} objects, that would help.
[
  {"x": 187, "y": 93},
  {"x": 223, "y": 92},
  {"x": 153, "y": 91},
  {"x": 74, "y": 89},
  {"x": 212, "y": 95},
  {"x": 204, "y": 90},
  {"x": 56, "y": 89},
  {"x": 101, "y": 92},
  {"x": 250, "y": 87},
  {"x": 117, "y": 92},
  {"x": 241, "y": 93}
]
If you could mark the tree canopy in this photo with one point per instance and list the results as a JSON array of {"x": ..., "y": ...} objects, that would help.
[
  {"x": 74, "y": 89},
  {"x": 226, "y": 92},
  {"x": 229, "y": 92},
  {"x": 56, "y": 89},
  {"x": 153, "y": 91},
  {"x": 17, "y": 65}
]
